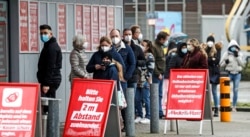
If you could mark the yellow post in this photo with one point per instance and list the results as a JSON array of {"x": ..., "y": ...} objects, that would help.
[{"x": 225, "y": 107}]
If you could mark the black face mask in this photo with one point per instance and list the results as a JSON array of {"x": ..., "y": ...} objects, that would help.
[{"x": 106, "y": 63}]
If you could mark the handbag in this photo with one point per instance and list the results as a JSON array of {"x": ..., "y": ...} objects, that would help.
[{"x": 121, "y": 98}]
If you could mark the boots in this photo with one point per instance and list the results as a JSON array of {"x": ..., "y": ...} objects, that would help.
[{"x": 216, "y": 113}]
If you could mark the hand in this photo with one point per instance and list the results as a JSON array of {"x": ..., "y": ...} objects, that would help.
[
  {"x": 160, "y": 77},
  {"x": 97, "y": 66},
  {"x": 103, "y": 67},
  {"x": 45, "y": 89},
  {"x": 227, "y": 61},
  {"x": 213, "y": 59}
]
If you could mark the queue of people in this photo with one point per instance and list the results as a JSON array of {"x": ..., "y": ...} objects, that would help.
[{"x": 136, "y": 63}]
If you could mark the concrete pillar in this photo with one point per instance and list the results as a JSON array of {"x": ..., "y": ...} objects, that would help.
[
  {"x": 154, "y": 108},
  {"x": 130, "y": 113}
]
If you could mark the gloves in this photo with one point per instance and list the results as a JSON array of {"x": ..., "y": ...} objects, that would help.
[
  {"x": 236, "y": 54},
  {"x": 227, "y": 61}
]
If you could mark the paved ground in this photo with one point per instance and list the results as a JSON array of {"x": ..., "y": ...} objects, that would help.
[{"x": 238, "y": 127}]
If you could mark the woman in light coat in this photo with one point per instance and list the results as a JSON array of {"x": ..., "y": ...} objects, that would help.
[{"x": 78, "y": 58}]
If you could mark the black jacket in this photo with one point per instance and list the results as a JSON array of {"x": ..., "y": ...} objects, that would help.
[
  {"x": 50, "y": 63},
  {"x": 140, "y": 61}
]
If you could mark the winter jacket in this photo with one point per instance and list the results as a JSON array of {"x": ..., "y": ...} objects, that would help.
[
  {"x": 195, "y": 60},
  {"x": 129, "y": 59},
  {"x": 233, "y": 64},
  {"x": 169, "y": 62},
  {"x": 50, "y": 63},
  {"x": 160, "y": 61},
  {"x": 97, "y": 59},
  {"x": 140, "y": 61},
  {"x": 78, "y": 62}
]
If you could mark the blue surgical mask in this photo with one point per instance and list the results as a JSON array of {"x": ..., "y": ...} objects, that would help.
[
  {"x": 233, "y": 49},
  {"x": 184, "y": 50},
  {"x": 45, "y": 38}
]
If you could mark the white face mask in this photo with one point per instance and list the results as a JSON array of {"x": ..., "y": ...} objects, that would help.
[
  {"x": 85, "y": 45},
  {"x": 210, "y": 44},
  {"x": 165, "y": 44},
  {"x": 190, "y": 48},
  {"x": 116, "y": 40},
  {"x": 128, "y": 38},
  {"x": 140, "y": 37},
  {"x": 105, "y": 48}
]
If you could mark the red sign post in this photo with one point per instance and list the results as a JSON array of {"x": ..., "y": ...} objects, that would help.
[
  {"x": 88, "y": 108},
  {"x": 186, "y": 94},
  {"x": 18, "y": 103}
]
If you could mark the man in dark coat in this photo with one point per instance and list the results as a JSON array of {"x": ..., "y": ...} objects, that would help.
[{"x": 49, "y": 64}]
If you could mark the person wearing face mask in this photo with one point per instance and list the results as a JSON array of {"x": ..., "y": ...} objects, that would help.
[
  {"x": 232, "y": 61},
  {"x": 160, "y": 64},
  {"x": 214, "y": 70},
  {"x": 196, "y": 57},
  {"x": 95, "y": 63},
  {"x": 49, "y": 64},
  {"x": 78, "y": 58}
]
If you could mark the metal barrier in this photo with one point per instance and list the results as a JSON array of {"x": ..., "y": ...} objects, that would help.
[{"x": 50, "y": 120}]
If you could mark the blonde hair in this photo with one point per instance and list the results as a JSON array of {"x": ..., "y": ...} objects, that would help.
[
  {"x": 106, "y": 39},
  {"x": 119, "y": 69},
  {"x": 195, "y": 42}
]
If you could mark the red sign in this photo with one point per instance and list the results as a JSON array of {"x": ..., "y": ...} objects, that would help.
[
  {"x": 103, "y": 21},
  {"x": 95, "y": 27},
  {"x": 186, "y": 94},
  {"x": 18, "y": 103},
  {"x": 88, "y": 108},
  {"x": 110, "y": 24},
  {"x": 23, "y": 26},
  {"x": 87, "y": 25},
  {"x": 33, "y": 24},
  {"x": 62, "y": 26},
  {"x": 78, "y": 19}
]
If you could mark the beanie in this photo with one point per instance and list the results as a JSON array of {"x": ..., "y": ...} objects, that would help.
[{"x": 210, "y": 38}]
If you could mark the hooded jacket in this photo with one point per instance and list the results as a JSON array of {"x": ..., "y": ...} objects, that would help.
[
  {"x": 172, "y": 49},
  {"x": 233, "y": 64}
]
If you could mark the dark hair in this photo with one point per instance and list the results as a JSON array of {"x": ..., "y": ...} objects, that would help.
[
  {"x": 45, "y": 26},
  {"x": 149, "y": 44},
  {"x": 133, "y": 29},
  {"x": 126, "y": 29},
  {"x": 107, "y": 55},
  {"x": 162, "y": 35}
]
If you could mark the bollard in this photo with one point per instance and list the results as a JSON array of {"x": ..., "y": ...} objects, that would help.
[
  {"x": 130, "y": 113},
  {"x": 154, "y": 108},
  {"x": 44, "y": 103},
  {"x": 225, "y": 106},
  {"x": 53, "y": 126}
]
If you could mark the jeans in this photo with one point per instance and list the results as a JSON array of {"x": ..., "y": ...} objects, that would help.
[
  {"x": 160, "y": 82},
  {"x": 235, "y": 78},
  {"x": 215, "y": 97},
  {"x": 143, "y": 95}
]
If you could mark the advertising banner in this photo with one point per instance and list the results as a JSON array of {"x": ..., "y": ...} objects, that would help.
[
  {"x": 88, "y": 108},
  {"x": 33, "y": 27},
  {"x": 110, "y": 19},
  {"x": 186, "y": 94},
  {"x": 103, "y": 21},
  {"x": 78, "y": 19},
  {"x": 61, "y": 9},
  {"x": 95, "y": 27},
  {"x": 23, "y": 26},
  {"x": 3, "y": 38},
  {"x": 18, "y": 103},
  {"x": 87, "y": 25}
]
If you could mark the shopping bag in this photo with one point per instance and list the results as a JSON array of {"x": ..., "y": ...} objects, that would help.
[{"x": 121, "y": 98}]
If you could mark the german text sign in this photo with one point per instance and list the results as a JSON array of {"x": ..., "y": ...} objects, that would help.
[
  {"x": 18, "y": 103},
  {"x": 88, "y": 108},
  {"x": 186, "y": 94}
]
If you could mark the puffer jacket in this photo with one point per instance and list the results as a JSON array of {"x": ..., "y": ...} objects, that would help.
[
  {"x": 78, "y": 62},
  {"x": 235, "y": 64}
]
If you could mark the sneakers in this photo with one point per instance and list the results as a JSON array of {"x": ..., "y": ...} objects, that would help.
[
  {"x": 145, "y": 121},
  {"x": 234, "y": 109},
  {"x": 138, "y": 119}
]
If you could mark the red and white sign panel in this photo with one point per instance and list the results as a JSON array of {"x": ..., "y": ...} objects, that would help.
[
  {"x": 186, "y": 94},
  {"x": 62, "y": 25},
  {"x": 23, "y": 26},
  {"x": 103, "y": 21},
  {"x": 3, "y": 39},
  {"x": 18, "y": 103},
  {"x": 78, "y": 19},
  {"x": 95, "y": 27},
  {"x": 110, "y": 14},
  {"x": 87, "y": 25},
  {"x": 88, "y": 108},
  {"x": 33, "y": 27}
]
